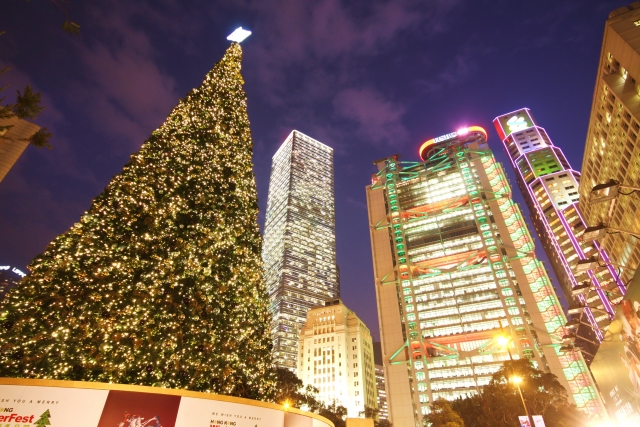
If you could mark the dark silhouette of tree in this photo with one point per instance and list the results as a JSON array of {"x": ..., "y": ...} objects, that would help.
[
  {"x": 27, "y": 106},
  {"x": 499, "y": 403},
  {"x": 290, "y": 389},
  {"x": 442, "y": 415}
]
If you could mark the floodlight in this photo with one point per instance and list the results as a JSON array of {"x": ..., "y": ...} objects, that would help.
[
  {"x": 581, "y": 289},
  {"x": 575, "y": 309},
  {"x": 586, "y": 264},
  {"x": 603, "y": 192},
  {"x": 239, "y": 35},
  {"x": 573, "y": 323},
  {"x": 594, "y": 233}
]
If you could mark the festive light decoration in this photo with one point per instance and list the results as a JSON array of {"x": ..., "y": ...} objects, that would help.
[{"x": 160, "y": 283}]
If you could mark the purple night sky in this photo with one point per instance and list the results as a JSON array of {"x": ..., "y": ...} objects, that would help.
[{"x": 369, "y": 78}]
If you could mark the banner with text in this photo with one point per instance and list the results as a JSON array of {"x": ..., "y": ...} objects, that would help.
[{"x": 36, "y": 406}]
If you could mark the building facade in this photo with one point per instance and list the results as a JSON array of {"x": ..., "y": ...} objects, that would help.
[
  {"x": 612, "y": 150},
  {"x": 454, "y": 269},
  {"x": 13, "y": 141},
  {"x": 383, "y": 408},
  {"x": 299, "y": 250},
  {"x": 336, "y": 356},
  {"x": 550, "y": 188}
]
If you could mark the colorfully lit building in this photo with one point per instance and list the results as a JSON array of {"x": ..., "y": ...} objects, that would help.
[
  {"x": 299, "y": 251},
  {"x": 13, "y": 142},
  {"x": 336, "y": 357},
  {"x": 550, "y": 188},
  {"x": 612, "y": 150},
  {"x": 455, "y": 269}
]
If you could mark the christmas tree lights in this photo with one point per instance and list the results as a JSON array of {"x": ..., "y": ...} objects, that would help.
[{"x": 160, "y": 283}]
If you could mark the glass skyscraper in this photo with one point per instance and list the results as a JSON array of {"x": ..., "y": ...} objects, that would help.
[
  {"x": 455, "y": 269},
  {"x": 299, "y": 251},
  {"x": 550, "y": 188}
]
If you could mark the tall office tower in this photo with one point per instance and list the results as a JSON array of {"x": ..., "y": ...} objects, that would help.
[
  {"x": 336, "y": 357},
  {"x": 13, "y": 141},
  {"x": 550, "y": 188},
  {"x": 299, "y": 250},
  {"x": 383, "y": 409},
  {"x": 612, "y": 149},
  {"x": 454, "y": 269}
]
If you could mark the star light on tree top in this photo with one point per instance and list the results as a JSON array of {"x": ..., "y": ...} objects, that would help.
[{"x": 238, "y": 35}]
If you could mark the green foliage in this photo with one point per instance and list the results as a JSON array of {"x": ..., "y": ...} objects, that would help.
[
  {"x": 41, "y": 138},
  {"x": 370, "y": 412},
  {"x": 335, "y": 413},
  {"x": 160, "y": 282},
  {"x": 500, "y": 404},
  {"x": 290, "y": 389},
  {"x": 27, "y": 104},
  {"x": 71, "y": 27},
  {"x": 385, "y": 423},
  {"x": 442, "y": 415}
]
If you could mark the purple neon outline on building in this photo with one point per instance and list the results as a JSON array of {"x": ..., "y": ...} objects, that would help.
[{"x": 506, "y": 136}]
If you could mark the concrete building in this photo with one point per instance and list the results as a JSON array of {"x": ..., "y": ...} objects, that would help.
[
  {"x": 13, "y": 142},
  {"x": 455, "y": 268},
  {"x": 550, "y": 188},
  {"x": 612, "y": 149},
  {"x": 299, "y": 250},
  {"x": 383, "y": 408},
  {"x": 336, "y": 356}
]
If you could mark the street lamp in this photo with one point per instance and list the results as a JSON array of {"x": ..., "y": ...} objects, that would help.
[
  {"x": 517, "y": 380},
  {"x": 503, "y": 341},
  {"x": 603, "y": 192},
  {"x": 601, "y": 230},
  {"x": 586, "y": 264}
]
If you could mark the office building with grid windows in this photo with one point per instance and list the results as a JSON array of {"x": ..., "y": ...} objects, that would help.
[
  {"x": 454, "y": 269},
  {"x": 612, "y": 149},
  {"x": 550, "y": 189},
  {"x": 299, "y": 250},
  {"x": 336, "y": 357}
]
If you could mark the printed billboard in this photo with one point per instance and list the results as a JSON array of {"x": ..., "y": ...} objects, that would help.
[
  {"x": 616, "y": 366},
  {"x": 69, "y": 403}
]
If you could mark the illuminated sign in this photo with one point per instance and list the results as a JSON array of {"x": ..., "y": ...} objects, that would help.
[
  {"x": 14, "y": 270},
  {"x": 515, "y": 122},
  {"x": 471, "y": 131},
  {"x": 445, "y": 137}
]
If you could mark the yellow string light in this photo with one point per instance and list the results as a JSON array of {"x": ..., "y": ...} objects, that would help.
[{"x": 160, "y": 282}]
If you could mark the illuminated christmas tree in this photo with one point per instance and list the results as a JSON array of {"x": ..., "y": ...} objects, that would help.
[{"x": 160, "y": 283}]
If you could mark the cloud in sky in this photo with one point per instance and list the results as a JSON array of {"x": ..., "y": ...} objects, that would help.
[
  {"x": 378, "y": 120},
  {"x": 314, "y": 56}
]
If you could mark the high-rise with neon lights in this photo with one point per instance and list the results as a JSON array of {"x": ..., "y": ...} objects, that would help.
[
  {"x": 454, "y": 269},
  {"x": 550, "y": 188},
  {"x": 299, "y": 250}
]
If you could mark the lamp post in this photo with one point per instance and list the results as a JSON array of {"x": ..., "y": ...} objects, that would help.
[
  {"x": 517, "y": 380},
  {"x": 503, "y": 341}
]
